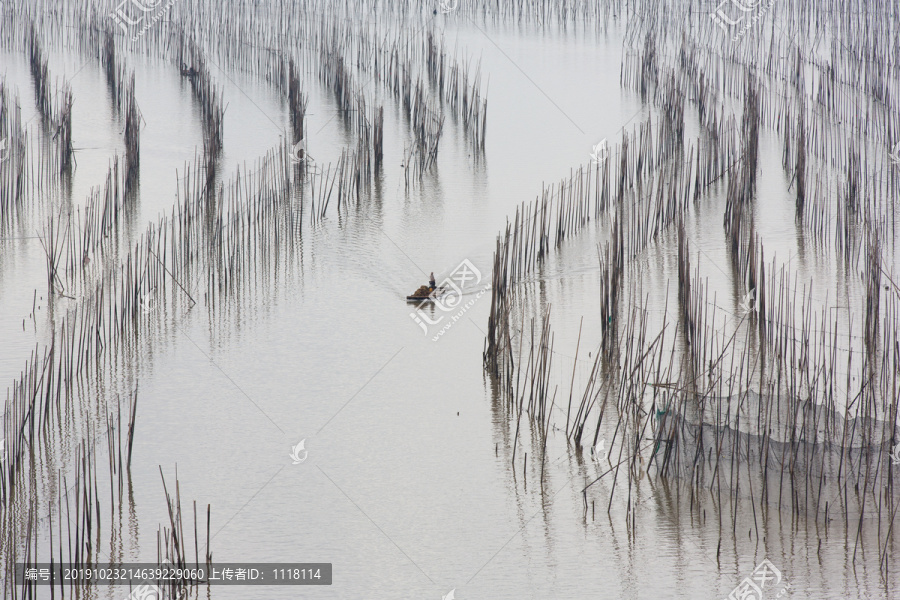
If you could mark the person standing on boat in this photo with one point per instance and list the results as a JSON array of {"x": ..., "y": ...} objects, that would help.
[{"x": 431, "y": 282}]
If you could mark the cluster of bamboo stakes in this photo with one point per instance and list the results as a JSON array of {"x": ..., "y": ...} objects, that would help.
[
  {"x": 762, "y": 413},
  {"x": 212, "y": 112},
  {"x": 335, "y": 73},
  {"x": 399, "y": 59},
  {"x": 97, "y": 334},
  {"x": 40, "y": 74},
  {"x": 773, "y": 414},
  {"x": 822, "y": 128},
  {"x": 231, "y": 240},
  {"x": 397, "y": 66},
  {"x": 75, "y": 244},
  {"x": 402, "y": 65},
  {"x": 55, "y": 109},
  {"x": 12, "y": 168},
  {"x": 114, "y": 69},
  {"x": 132, "y": 136},
  {"x": 791, "y": 406},
  {"x": 121, "y": 89},
  {"x": 100, "y": 281},
  {"x": 297, "y": 103},
  {"x": 171, "y": 542},
  {"x": 462, "y": 93},
  {"x": 29, "y": 174},
  {"x": 74, "y": 518}
]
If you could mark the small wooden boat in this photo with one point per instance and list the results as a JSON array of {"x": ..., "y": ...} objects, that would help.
[{"x": 426, "y": 294}]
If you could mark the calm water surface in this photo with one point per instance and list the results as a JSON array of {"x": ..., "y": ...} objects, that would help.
[{"x": 409, "y": 488}]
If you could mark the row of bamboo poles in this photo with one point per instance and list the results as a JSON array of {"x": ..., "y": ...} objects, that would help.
[
  {"x": 230, "y": 237},
  {"x": 793, "y": 404},
  {"x": 55, "y": 108},
  {"x": 212, "y": 112},
  {"x": 221, "y": 244},
  {"x": 15, "y": 141},
  {"x": 400, "y": 59}
]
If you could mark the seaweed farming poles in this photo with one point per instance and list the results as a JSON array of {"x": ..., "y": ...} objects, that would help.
[
  {"x": 421, "y": 154},
  {"x": 789, "y": 438},
  {"x": 99, "y": 335},
  {"x": 836, "y": 113},
  {"x": 121, "y": 89},
  {"x": 62, "y": 126},
  {"x": 132, "y": 136},
  {"x": 456, "y": 87},
  {"x": 209, "y": 96},
  {"x": 172, "y": 543},
  {"x": 56, "y": 111},
  {"x": 114, "y": 69},
  {"x": 78, "y": 244},
  {"x": 639, "y": 219},
  {"x": 644, "y": 200},
  {"x": 738, "y": 219},
  {"x": 297, "y": 102},
  {"x": 40, "y": 74},
  {"x": 367, "y": 119},
  {"x": 13, "y": 146},
  {"x": 498, "y": 342},
  {"x": 770, "y": 429},
  {"x": 337, "y": 73},
  {"x": 256, "y": 38},
  {"x": 398, "y": 66},
  {"x": 245, "y": 239},
  {"x": 426, "y": 120},
  {"x": 67, "y": 522},
  {"x": 742, "y": 429},
  {"x": 543, "y": 13}
]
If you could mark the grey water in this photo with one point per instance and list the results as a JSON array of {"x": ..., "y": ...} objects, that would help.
[{"x": 409, "y": 488}]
